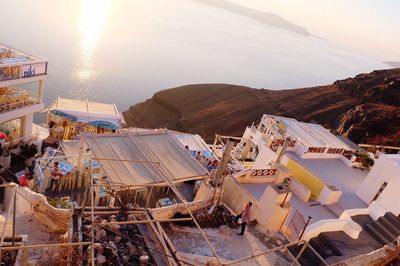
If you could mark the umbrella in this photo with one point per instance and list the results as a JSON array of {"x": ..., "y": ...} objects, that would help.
[{"x": 103, "y": 124}]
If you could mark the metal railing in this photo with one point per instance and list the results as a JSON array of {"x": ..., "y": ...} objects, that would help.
[{"x": 13, "y": 98}]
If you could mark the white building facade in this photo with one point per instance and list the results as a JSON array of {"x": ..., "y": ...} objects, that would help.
[
  {"x": 309, "y": 141},
  {"x": 382, "y": 184},
  {"x": 22, "y": 78}
]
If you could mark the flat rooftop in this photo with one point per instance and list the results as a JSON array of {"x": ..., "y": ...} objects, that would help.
[
  {"x": 333, "y": 171},
  {"x": 313, "y": 209},
  {"x": 310, "y": 135},
  {"x": 336, "y": 172},
  {"x": 83, "y": 107}
]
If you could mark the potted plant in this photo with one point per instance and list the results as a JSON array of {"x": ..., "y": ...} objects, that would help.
[{"x": 363, "y": 158}]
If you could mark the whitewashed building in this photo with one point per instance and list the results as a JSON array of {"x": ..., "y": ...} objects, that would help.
[
  {"x": 21, "y": 89},
  {"x": 382, "y": 184},
  {"x": 314, "y": 156}
]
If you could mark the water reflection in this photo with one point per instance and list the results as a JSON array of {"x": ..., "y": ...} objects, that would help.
[{"x": 92, "y": 22}]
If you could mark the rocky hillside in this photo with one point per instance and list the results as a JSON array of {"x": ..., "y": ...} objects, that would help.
[{"x": 365, "y": 108}]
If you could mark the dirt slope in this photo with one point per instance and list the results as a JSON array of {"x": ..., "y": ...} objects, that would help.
[{"x": 365, "y": 108}]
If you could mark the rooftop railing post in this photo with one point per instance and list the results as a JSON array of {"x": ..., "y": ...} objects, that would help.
[{"x": 305, "y": 226}]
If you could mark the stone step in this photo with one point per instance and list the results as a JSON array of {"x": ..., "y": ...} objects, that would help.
[
  {"x": 395, "y": 229},
  {"x": 384, "y": 230},
  {"x": 372, "y": 229},
  {"x": 393, "y": 219}
]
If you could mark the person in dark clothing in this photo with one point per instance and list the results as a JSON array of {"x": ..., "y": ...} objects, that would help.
[{"x": 245, "y": 215}]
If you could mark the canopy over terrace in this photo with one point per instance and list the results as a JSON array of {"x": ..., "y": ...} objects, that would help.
[
  {"x": 87, "y": 112},
  {"x": 131, "y": 158}
]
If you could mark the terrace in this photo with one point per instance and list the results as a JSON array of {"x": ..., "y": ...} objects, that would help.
[
  {"x": 334, "y": 173},
  {"x": 15, "y": 65},
  {"x": 16, "y": 98}
]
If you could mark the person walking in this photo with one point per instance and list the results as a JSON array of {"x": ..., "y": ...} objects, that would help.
[{"x": 245, "y": 215}]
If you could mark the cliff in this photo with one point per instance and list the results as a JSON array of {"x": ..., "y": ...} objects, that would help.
[{"x": 365, "y": 108}]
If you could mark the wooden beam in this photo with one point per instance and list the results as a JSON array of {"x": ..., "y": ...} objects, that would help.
[
  {"x": 85, "y": 214},
  {"x": 160, "y": 184},
  {"x": 160, "y": 238},
  {"x": 273, "y": 250},
  {"x": 92, "y": 212},
  {"x": 125, "y": 160},
  {"x": 46, "y": 245},
  {"x": 148, "y": 221}
]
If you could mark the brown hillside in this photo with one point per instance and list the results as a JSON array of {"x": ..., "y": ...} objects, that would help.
[{"x": 366, "y": 108}]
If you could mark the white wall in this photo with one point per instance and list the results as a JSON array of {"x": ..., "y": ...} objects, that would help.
[
  {"x": 235, "y": 196},
  {"x": 265, "y": 155},
  {"x": 300, "y": 190},
  {"x": 384, "y": 169},
  {"x": 328, "y": 196},
  {"x": 27, "y": 125},
  {"x": 311, "y": 155},
  {"x": 29, "y": 202},
  {"x": 389, "y": 199},
  {"x": 271, "y": 214},
  {"x": 20, "y": 112},
  {"x": 348, "y": 226}
]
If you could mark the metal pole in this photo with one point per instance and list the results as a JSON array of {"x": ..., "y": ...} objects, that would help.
[
  {"x": 14, "y": 214},
  {"x": 226, "y": 157},
  {"x": 300, "y": 253},
  {"x": 284, "y": 200},
  {"x": 148, "y": 197},
  {"x": 149, "y": 221},
  {"x": 305, "y": 226},
  {"x": 92, "y": 212},
  {"x": 46, "y": 245}
]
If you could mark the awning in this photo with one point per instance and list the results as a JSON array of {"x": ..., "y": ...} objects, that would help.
[
  {"x": 142, "y": 157},
  {"x": 64, "y": 114},
  {"x": 97, "y": 114}
]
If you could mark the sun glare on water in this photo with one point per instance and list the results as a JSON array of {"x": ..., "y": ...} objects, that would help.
[
  {"x": 93, "y": 19},
  {"x": 91, "y": 25}
]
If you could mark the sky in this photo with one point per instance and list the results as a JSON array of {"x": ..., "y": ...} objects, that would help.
[{"x": 369, "y": 27}]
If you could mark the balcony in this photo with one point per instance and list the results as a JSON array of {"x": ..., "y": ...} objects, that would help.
[
  {"x": 17, "y": 65},
  {"x": 15, "y": 98}
]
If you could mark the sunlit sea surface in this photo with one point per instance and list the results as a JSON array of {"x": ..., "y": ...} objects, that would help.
[{"x": 123, "y": 51}]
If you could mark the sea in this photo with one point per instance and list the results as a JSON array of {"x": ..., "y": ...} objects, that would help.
[{"x": 123, "y": 51}]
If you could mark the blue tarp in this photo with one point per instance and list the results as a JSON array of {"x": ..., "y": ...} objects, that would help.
[
  {"x": 95, "y": 163},
  {"x": 65, "y": 167},
  {"x": 205, "y": 153}
]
